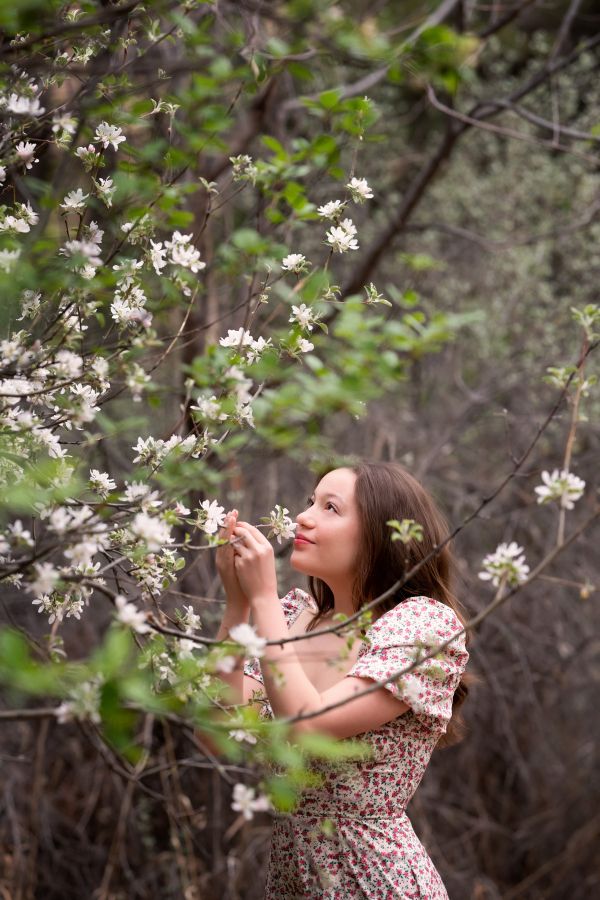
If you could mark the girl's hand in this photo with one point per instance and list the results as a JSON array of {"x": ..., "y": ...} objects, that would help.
[
  {"x": 225, "y": 562},
  {"x": 254, "y": 563}
]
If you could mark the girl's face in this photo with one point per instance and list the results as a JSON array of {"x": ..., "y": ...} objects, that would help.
[{"x": 328, "y": 534}]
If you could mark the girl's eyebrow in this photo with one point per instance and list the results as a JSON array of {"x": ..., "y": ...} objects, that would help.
[{"x": 329, "y": 495}]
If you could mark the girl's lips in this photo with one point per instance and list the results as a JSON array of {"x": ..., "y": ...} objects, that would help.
[{"x": 300, "y": 539}]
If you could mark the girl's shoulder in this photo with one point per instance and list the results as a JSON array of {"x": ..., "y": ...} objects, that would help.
[
  {"x": 295, "y": 601},
  {"x": 417, "y": 613}
]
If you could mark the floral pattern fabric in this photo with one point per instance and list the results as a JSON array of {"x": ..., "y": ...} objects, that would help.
[{"x": 350, "y": 838}]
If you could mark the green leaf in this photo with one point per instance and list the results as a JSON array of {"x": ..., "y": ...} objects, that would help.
[
  {"x": 115, "y": 653},
  {"x": 274, "y": 145},
  {"x": 329, "y": 99},
  {"x": 325, "y": 747},
  {"x": 250, "y": 241}
]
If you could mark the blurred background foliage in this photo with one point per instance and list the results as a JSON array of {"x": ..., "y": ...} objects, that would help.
[{"x": 480, "y": 141}]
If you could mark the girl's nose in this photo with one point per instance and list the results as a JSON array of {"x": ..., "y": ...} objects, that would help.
[{"x": 304, "y": 518}]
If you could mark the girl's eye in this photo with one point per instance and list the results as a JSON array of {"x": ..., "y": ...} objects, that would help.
[{"x": 328, "y": 505}]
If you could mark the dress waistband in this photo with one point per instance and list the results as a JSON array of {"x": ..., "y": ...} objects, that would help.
[{"x": 355, "y": 815}]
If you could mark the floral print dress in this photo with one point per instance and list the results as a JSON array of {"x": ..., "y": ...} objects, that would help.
[{"x": 350, "y": 838}]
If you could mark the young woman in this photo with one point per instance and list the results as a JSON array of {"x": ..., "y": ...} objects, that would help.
[{"x": 344, "y": 545}]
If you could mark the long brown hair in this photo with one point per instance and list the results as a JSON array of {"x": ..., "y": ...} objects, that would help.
[{"x": 384, "y": 491}]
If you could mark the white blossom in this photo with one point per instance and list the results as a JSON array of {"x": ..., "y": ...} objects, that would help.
[
  {"x": 46, "y": 578},
  {"x": 185, "y": 648},
  {"x": 8, "y": 258},
  {"x": 165, "y": 669},
  {"x": 183, "y": 253},
  {"x": 281, "y": 524},
  {"x": 209, "y": 407},
  {"x": 243, "y": 169},
  {"x": 57, "y": 607},
  {"x": 13, "y": 223},
  {"x": 210, "y": 516},
  {"x": 332, "y": 210},
  {"x": 83, "y": 705},
  {"x": 59, "y": 520},
  {"x": 239, "y": 338},
  {"x": 89, "y": 156},
  {"x": 304, "y": 316},
  {"x": 360, "y": 190},
  {"x": 88, "y": 249},
  {"x": 506, "y": 563},
  {"x": 68, "y": 364},
  {"x": 63, "y": 122},
  {"x": 245, "y": 635},
  {"x": 562, "y": 486},
  {"x": 127, "y": 311},
  {"x": 245, "y": 802},
  {"x": 83, "y": 516},
  {"x": 140, "y": 494},
  {"x": 242, "y": 385},
  {"x": 294, "y": 262},
  {"x": 257, "y": 348},
  {"x": 74, "y": 201},
  {"x": 154, "y": 532},
  {"x": 27, "y": 213},
  {"x": 226, "y": 664},
  {"x": 21, "y": 222},
  {"x": 19, "y": 534},
  {"x": 412, "y": 694},
  {"x": 127, "y": 269},
  {"x": 239, "y": 734},
  {"x": 105, "y": 189},
  {"x": 109, "y": 135},
  {"x": 130, "y": 615},
  {"x": 305, "y": 346},
  {"x": 24, "y": 106},
  {"x": 148, "y": 450},
  {"x": 82, "y": 553},
  {"x": 244, "y": 413},
  {"x": 191, "y": 619},
  {"x": 136, "y": 381},
  {"x": 25, "y": 151},
  {"x": 342, "y": 237},
  {"x": 158, "y": 254},
  {"x": 101, "y": 482}
]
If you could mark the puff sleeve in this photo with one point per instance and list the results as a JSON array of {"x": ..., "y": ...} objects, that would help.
[
  {"x": 400, "y": 637},
  {"x": 292, "y": 604}
]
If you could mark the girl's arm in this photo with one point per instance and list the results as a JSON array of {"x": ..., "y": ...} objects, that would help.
[
  {"x": 295, "y": 694},
  {"x": 237, "y": 606}
]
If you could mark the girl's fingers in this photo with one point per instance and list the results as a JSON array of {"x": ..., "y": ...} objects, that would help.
[
  {"x": 249, "y": 529},
  {"x": 228, "y": 525},
  {"x": 254, "y": 532}
]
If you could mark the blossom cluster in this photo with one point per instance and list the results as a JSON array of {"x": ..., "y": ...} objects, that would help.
[
  {"x": 507, "y": 564},
  {"x": 562, "y": 486},
  {"x": 281, "y": 526},
  {"x": 246, "y": 802}
]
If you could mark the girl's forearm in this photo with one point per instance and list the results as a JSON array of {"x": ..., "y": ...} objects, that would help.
[
  {"x": 294, "y": 693},
  {"x": 234, "y": 614}
]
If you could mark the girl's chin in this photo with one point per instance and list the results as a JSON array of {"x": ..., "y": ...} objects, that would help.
[{"x": 296, "y": 562}]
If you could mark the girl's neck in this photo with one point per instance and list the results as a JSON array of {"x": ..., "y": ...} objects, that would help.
[{"x": 342, "y": 599}]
